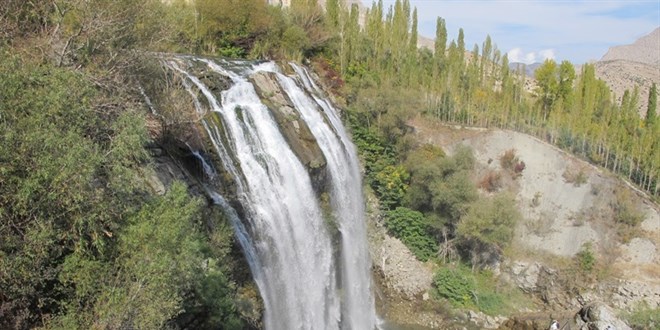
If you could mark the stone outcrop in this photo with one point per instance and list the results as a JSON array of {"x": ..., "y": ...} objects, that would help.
[
  {"x": 293, "y": 128},
  {"x": 598, "y": 316},
  {"x": 402, "y": 272}
]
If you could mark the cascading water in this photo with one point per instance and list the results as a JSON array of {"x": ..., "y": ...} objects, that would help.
[{"x": 286, "y": 239}]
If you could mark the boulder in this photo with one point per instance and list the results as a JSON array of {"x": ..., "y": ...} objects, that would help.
[{"x": 598, "y": 316}]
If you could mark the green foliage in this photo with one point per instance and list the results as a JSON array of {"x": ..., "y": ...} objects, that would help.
[
  {"x": 652, "y": 106},
  {"x": 82, "y": 244},
  {"x": 467, "y": 289},
  {"x": 586, "y": 258},
  {"x": 626, "y": 210},
  {"x": 60, "y": 202},
  {"x": 411, "y": 228},
  {"x": 441, "y": 184},
  {"x": 489, "y": 223},
  {"x": 155, "y": 274},
  {"x": 229, "y": 27},
  {"x": 389, "y": 181},
  {"x": 451, "y": 196},
  {"x": 643, "y": 316},
  {"x": 391, "y": 184},
  {"x": 456, "y": 285}
]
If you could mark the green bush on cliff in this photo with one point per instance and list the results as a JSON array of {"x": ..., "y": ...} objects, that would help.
[
  {"x": 643, "y": 316},
  {"x": 455, "y": 284},
  {"x": 83, "y": 244},
  {"x": 466, "y": 288},
  {"x": 411, "y": 228},
  {"x": 388, "y": 179}
]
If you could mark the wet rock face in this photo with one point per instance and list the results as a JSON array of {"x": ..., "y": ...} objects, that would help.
[
  {"x": 215, "y": 82},
  {"x": 293, "y": 127}
]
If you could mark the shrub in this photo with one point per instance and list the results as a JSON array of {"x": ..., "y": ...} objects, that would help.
[
  {"x": 464, "y": 288},
  {"x": 456, "y": 285},
  {"x": 489, "y": 222},
  {"x": 508, "y": 159},
  {"x": 491, "y": 182},
  {"x": 625, "y": 210},
  {"x": 411, "y": 228},
  {"x": 585, "y": 258},
  {"x": 575, "y": 176},
  {"x": 643, "y": 316},
  {"x": 627, "y": 214},
  {"x": 391, "y": 184}
]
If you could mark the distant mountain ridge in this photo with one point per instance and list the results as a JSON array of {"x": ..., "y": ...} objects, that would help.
[
  {"x": 529, "y": 68},
  {"x": 627, "y": 66},
  {"x": 645, "y": 50}
]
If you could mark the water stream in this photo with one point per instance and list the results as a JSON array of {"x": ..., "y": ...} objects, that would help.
[{"x": 303, "y": 281}]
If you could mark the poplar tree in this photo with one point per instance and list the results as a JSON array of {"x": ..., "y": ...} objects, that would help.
[
  {"x": 486, "y": 50},
  {"x": 440, "y": 45},
  {"x": 546, "y": 78},
  {"x": 565, "y": 84},
  {"x": 461, "y": 45},
  {"x": 652, "y": 106},
  {"x": 332, "y": 11},
  {"x": 413, "y": 34}
]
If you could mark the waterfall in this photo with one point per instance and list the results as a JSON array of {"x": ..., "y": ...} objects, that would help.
[{"x": 306, "y": 280}]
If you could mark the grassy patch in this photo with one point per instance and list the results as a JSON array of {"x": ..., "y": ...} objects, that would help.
[
  {"x": 480, "y": 290},
  {"x": 643, "y": 316}
]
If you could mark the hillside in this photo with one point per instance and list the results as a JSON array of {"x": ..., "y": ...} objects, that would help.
[
  {"x": 566, "y": 203},
  {"x": 627, "y": 66},
  {"x": 644, "y": 50}
]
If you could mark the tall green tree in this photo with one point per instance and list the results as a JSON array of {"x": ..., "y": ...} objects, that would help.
[
  {"x": 565, "y": 83},
  {"x": 546, "y": 78},
  {"x": 413, "y": 35},
  {"x": 440, "y": 44},
  {"x": 652, "y": 108},
  {"x": 333, "y": 9}
]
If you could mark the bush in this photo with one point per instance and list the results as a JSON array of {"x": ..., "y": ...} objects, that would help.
[
  {"x": 489, "y": 222},
  {"x": 491, "y": 182},
  {"x": 456, "y": 285},
  {"x": 575, "y": 176},
  {"x": 627, "y": 214},
  {"x": 466, "y": 289},
  {"x": 643, "y": 316},
  {"x": 411, "y": 228},
  {"x": 625, "y": 210},
  {"x": 586, "y": 259},
  {"x": 390, "y": 185},
  {"x": 510, "y": 161}
]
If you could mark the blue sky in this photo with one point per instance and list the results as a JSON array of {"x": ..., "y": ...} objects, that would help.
[{"x": 530, "y": 31}]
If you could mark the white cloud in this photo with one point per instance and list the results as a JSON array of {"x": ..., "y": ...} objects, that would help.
[
  {"x": 530, "y": 58},
  {"x": 547, "y": 54},
  {"x": 517, "y": 55}
]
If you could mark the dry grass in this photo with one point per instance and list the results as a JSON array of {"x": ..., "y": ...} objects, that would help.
[
  {"x": 510, "y": 161},
  {"x": 491, "y": 181},
  {"x": 577, "y": 175}
]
